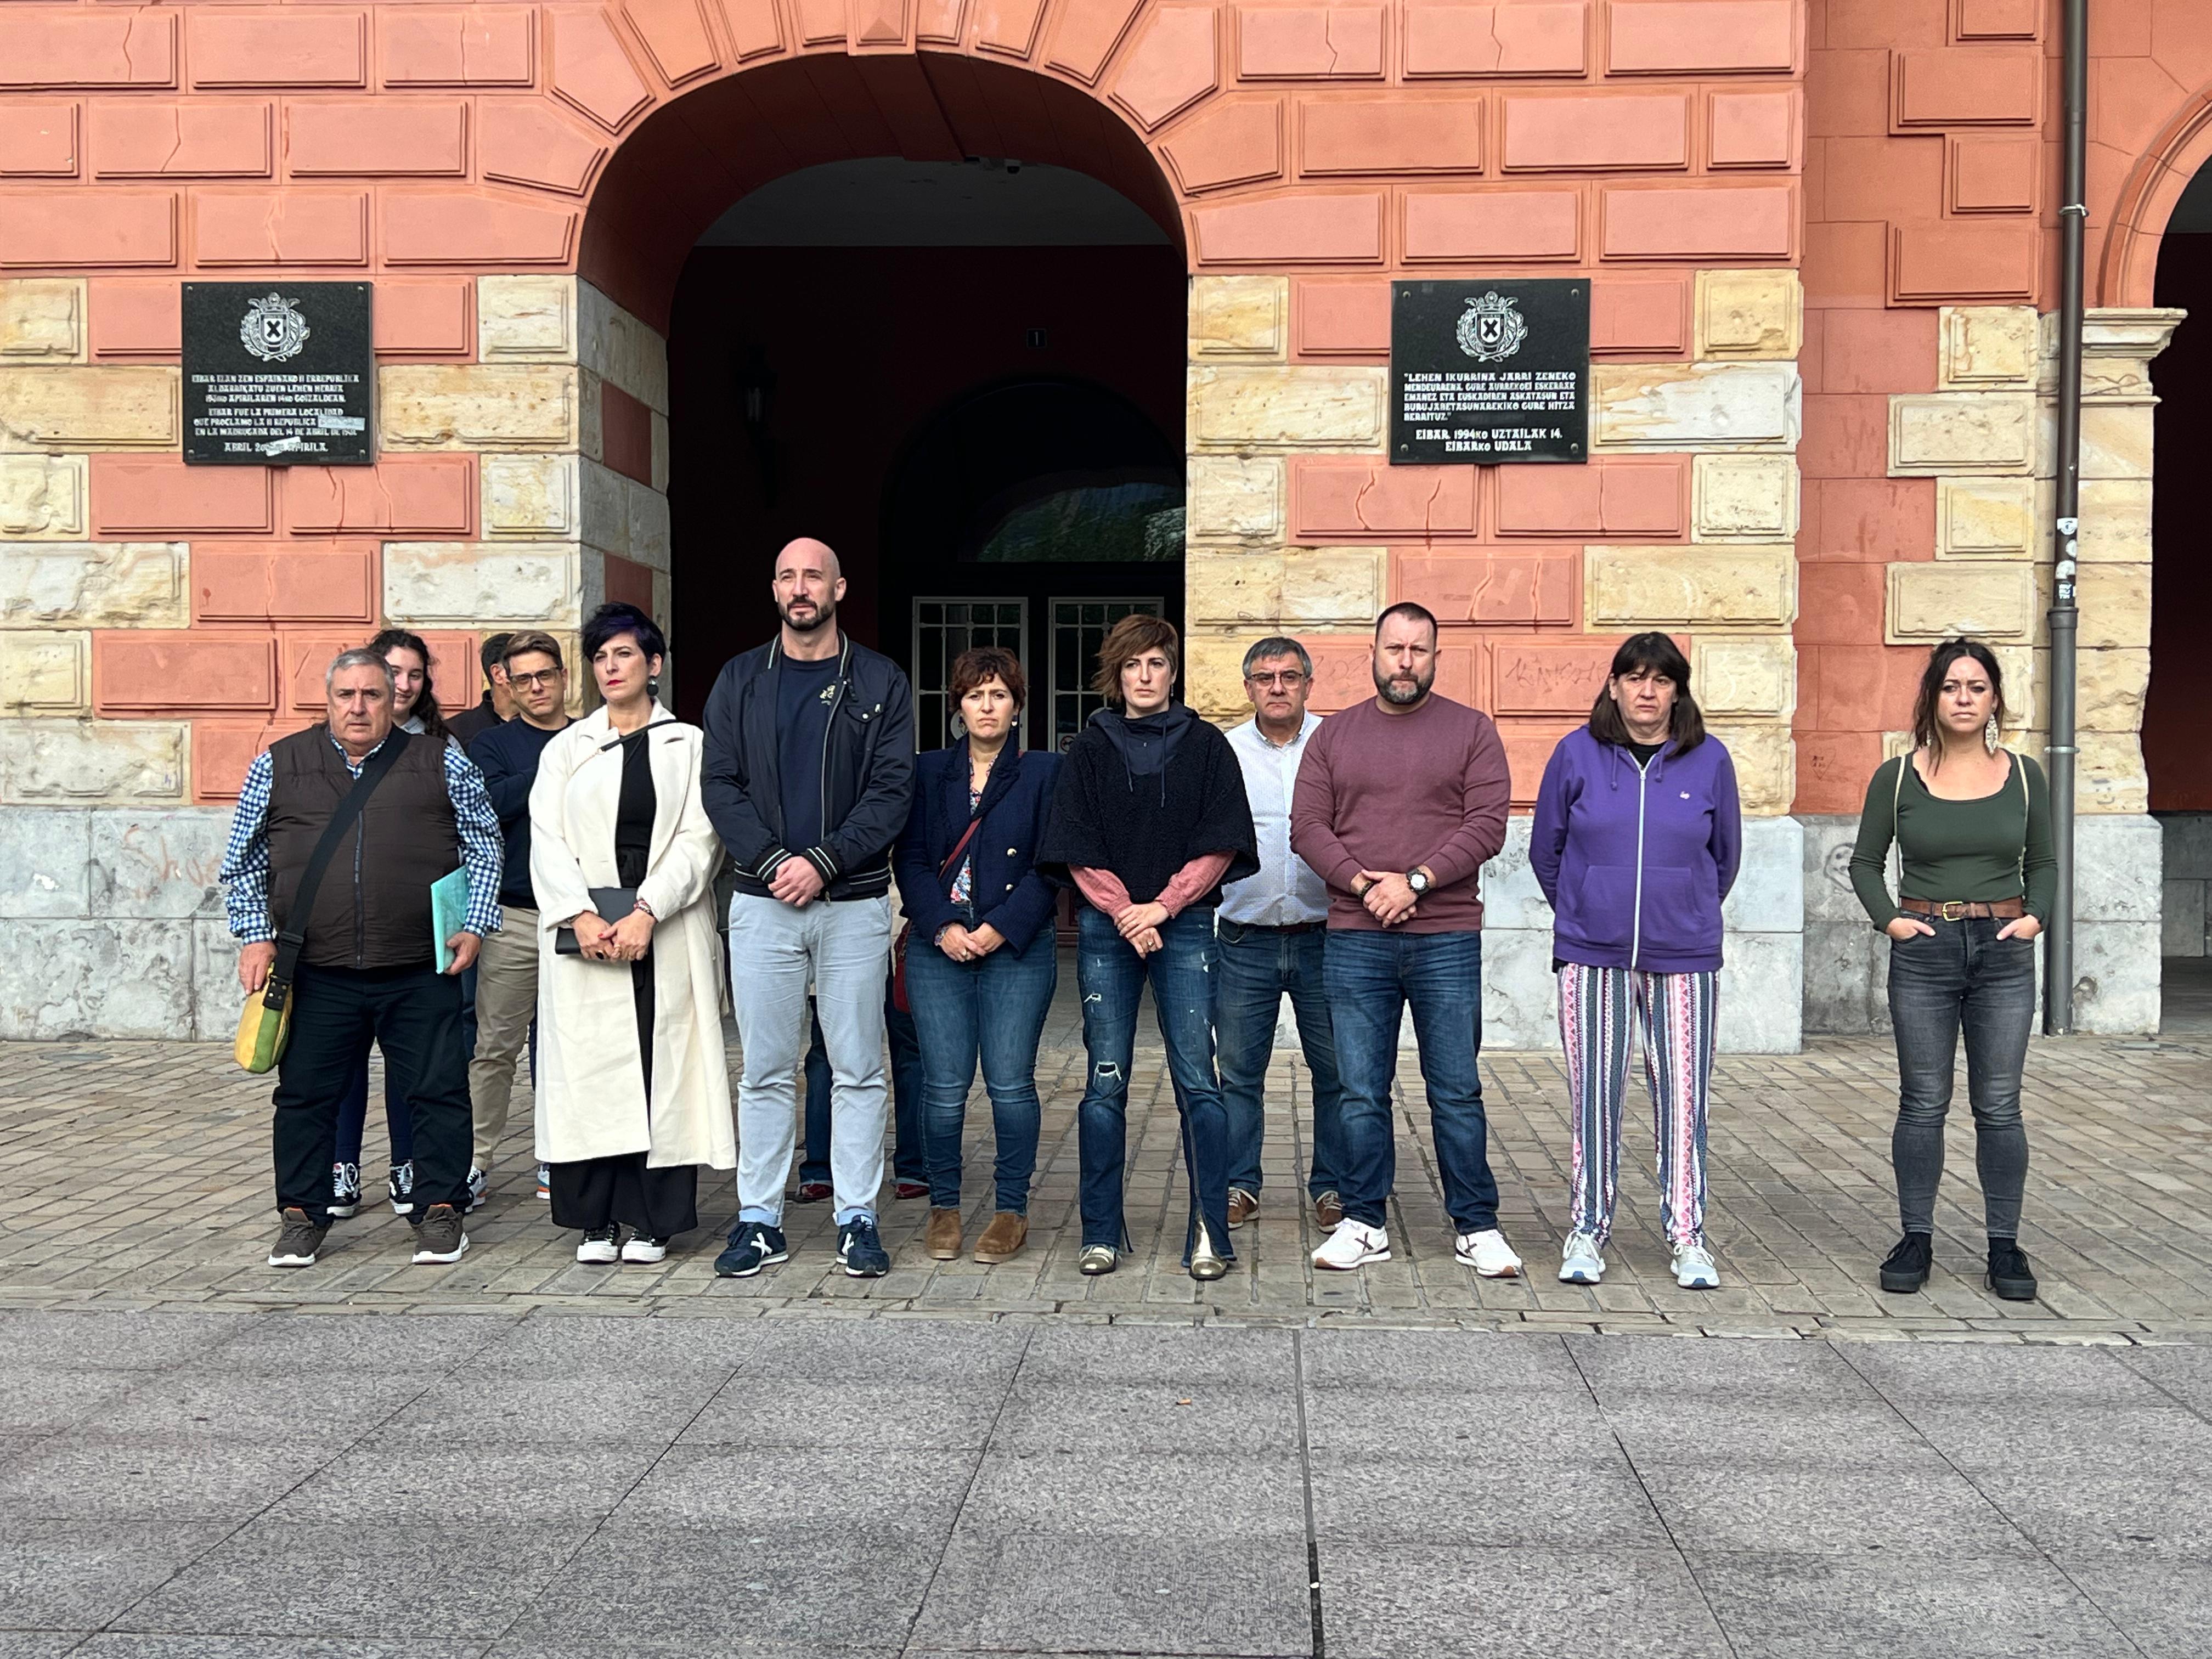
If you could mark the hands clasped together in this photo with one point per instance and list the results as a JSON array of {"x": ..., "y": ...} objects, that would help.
[{"x": 623, "y": 941}]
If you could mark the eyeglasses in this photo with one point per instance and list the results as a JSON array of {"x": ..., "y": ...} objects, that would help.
[
  {"x": 543, "y": 677},
  {"x": 1289, "y": 678}
]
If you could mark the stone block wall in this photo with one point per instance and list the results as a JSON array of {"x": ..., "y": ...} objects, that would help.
[{"x": 2186, "y": 918}]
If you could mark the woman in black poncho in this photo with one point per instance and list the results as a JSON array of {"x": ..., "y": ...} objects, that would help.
[{"x": 1149, "y": 820}]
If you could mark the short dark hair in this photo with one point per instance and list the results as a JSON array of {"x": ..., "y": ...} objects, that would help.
[
  {"x": 1939, "y": 659},
  {"x": 493, "y": 652},
  {"x": 972, "y": 667},
  {"x": 616, "y": 618},
  {"x": 1657, "y": 653},
  {"x": 426, "y": 707},
  {"x": 1278, "y": 644},
  {"x": 1409, "y": 609},
  {"x": 528, "y": 641},
  {"x": 1134, "y": 634}
]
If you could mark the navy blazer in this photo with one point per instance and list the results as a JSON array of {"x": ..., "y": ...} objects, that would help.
[{"x": 1009, "y": 890}]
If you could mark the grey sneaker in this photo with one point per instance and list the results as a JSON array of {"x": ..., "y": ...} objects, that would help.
[
  {"x": 1581, "y": 1261},
  {"x": 296, "y": 1245},
  {"x": 439, "y": 1238},
  {"x": 1694, "y": 1267}
]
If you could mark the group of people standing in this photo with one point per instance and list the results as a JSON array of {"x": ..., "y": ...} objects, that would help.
[{"x": 1336, "y": 861}]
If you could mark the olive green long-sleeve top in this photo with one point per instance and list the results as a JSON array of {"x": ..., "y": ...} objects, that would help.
[{"x": 1995, "y": 847}]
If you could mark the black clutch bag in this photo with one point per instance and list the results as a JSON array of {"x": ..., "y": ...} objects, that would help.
[{"x": 612, "y": 903}]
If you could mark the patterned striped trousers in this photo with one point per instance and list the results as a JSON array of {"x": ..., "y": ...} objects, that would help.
[{"x": 1676, "y": 1011}]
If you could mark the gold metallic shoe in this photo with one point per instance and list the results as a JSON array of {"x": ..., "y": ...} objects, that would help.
[
  {"x": 1206, "y": 1261},
  {"x": 1003, "y": 1239},
  {"x": 942, "y": 1238},
  {"x": 1098, "y": 1259}
]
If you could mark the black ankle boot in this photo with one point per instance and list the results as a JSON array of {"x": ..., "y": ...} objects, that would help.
[
  {"x": 2010, "y": 1277},
  {"x": 1907, "y": 1270}
]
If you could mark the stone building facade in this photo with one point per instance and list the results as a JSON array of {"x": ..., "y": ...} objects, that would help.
[{"x": 1820, "y": 237}]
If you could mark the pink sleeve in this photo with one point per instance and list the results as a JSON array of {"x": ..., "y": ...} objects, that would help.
[
  {"x": 1101, "y": 887},
  {"x": 1195, "y": 878}
]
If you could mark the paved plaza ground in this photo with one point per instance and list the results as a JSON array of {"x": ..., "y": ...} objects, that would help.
[{"x": 516, "y": 1455}]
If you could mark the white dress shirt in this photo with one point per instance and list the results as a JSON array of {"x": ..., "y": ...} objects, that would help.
[{"x": 1286, "y": 893}]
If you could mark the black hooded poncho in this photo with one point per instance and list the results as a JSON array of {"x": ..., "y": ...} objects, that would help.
[{"x": 1143, "y": 798}]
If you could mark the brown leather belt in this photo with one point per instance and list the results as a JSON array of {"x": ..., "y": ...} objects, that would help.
[{"x": 1960, "y": 909}]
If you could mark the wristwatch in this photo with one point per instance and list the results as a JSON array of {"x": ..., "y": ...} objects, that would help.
[{"x": 1418, "y": 881}]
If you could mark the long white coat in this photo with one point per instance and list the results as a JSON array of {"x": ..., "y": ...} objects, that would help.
[{"x": 591, "y": 1093}]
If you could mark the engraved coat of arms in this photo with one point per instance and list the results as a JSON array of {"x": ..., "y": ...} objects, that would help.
[
  {"x": 1491, "y": 328},
  {"x": 272, "y": 329}
]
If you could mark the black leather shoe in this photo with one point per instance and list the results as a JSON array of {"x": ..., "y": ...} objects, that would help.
[
  {"x": 2010, "y": 1277},
  {"x": 1906, "y": 1269}
]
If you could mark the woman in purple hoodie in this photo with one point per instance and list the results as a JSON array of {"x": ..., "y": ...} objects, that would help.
[{"x": 1636, "y": 843}]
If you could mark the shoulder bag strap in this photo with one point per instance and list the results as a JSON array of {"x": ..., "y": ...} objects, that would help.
[
  {"x": 952, "y": 862},
  {"x": 294, "y": 938}
]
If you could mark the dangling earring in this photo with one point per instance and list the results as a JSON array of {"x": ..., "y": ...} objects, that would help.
[
  {"x": 1989, "y": 735},
  {"x": 653, "y": 689}
]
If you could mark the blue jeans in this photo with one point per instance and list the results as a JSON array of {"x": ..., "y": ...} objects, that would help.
[
  {"x": 1111, "y": 977},
  {"x": 910, "y": 1143},
  {"x": 1258, "y": 966},
  {"x": 1371, "y": 977},
  {"x": 992, "y": 1010}
]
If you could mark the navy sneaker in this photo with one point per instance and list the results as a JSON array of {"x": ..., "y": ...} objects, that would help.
[
  {"x": 860, "y": 1252},
  {"x": 753, "y": 1245}
]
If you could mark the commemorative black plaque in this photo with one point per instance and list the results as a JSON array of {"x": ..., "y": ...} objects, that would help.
[
  {"x": 278, "y": 374},
  {"x": 1489, "y": 371}
]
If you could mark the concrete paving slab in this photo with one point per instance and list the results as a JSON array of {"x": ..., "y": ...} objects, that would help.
[
  {"x": 465, "y": 1409},
  {"x": 1920, "y": 1509},
  {"x": 172, "y": 1476},
  {"x": 1147, "y": 1416},
  {"x": 738, "y": 1488},
  {"x": 385, "y": 1477},
  {"x": 78, "y": 1574},
  {"x": 1109, "y": 1491},
  {"x": 825, "y": 1415},
  {"x": 1595, "y": 1502}
]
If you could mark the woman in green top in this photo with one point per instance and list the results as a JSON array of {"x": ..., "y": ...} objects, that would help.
[{"x": 1971, "y": 821}]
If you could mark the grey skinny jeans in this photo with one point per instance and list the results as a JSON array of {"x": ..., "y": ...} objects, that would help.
[{"x": 1962, "y": 975}]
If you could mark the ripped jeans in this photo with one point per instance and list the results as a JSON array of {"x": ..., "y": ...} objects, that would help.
[{"x": 1111, "y": 976}]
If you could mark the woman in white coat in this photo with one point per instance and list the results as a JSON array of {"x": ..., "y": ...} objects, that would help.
[{"x": 632, "y": 1090}]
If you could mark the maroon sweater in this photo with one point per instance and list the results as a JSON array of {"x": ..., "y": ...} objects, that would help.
[{"x": 1388, "y": 791}]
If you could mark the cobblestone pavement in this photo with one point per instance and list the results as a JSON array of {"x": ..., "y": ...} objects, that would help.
[
  {"x": 136, "y": 1175},
  {"x": 207, "y": 1485}
]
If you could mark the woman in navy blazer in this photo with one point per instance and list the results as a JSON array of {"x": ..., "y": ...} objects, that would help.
[{"x": 981, "y": 963}]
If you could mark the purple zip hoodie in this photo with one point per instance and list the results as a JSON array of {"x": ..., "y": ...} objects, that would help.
[{"x": 1636, "y": 861}]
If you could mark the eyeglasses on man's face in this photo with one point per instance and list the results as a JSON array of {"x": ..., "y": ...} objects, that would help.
[
  {"x": 1287, "y": 678},
  {"x": 531, "y": 682}
]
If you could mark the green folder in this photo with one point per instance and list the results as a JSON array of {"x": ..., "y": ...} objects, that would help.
[{"x": 449, "y": 909}]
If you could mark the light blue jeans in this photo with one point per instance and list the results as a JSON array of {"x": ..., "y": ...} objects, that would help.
[{"x": 776, "y": 949}]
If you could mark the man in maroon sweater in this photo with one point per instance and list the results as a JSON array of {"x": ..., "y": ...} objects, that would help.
[{"x": 1399, "y": 803}]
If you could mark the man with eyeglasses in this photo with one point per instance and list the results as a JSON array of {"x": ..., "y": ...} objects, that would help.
[
  {"x": 507, "y": 973},
  {"x": 1270, "y": 929}
]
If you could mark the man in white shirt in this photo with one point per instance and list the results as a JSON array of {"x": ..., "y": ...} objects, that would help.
[{"x": 1272, "y": 928}]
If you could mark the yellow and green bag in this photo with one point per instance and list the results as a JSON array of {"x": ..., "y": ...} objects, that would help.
[{"x": 265, "y": 1025}]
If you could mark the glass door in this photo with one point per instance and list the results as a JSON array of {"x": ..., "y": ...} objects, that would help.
[
  {"x": 943, "y": 629},
  {"x": 1078, "y": 629}
]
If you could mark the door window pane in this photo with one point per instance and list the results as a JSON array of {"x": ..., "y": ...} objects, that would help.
[
  {"x": 1078, "y": 629},
  {"x": 943, "y": 629}
]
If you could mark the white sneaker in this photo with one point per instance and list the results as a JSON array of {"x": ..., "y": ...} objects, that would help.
[
  {"x": 1581, "y": 1261},
  {"x": 545, "y": 1183},
  {"x": 1488, "y": 1254},
  {"x": 638, "y": 1247},
  {"x": 597, "y": 1249},
  {"x": 1694, "y": 1269},
  {"x": 477, "y": 1186},
  {"x": 1353, "y": 1244}
]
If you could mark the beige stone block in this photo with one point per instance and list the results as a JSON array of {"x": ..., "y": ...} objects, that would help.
[
  {"x": 619, "y": 347},
  {"x": 2115, "y": 602},
  {"x": 1765, "y": 759},
  {"x": 1301, "y": 407},
  {"x": 2109, "y": 775},
  {"x": 531, "y": 496},
  {"x": 526, "y": 320},
  {"x": 2115, "y": 521},
  {"x": 42, "y": 496},
  {"x": 624, "y": 517},
  {"x": 2109, "y": 690},
  {"x": 128, "y": 407},
  {"x": 1213, "y": 669},
  {"x": 1743, "y": 498},
  {"x": 1236, "y": 498},
  {"x": 660, "y": 467},
  {"x": 2108, "y": 380},
  {"x": 650, "y": 535},
  {"x": 1240, "y": 589},
  {"x": 73, "y": 762},
  {"x": 1628, "y": 588},
  {"x": 1694, "y": 405},
  {"x": 1986, "y": 518},
  {"x": 1756, "y": 676},
  {"x": 1931, "y": 601},
  {"x": 464, "y": 584},
  {"x": 93, "y": 585},
  {"x": 2026, "y": 674},
  {"x": 43, "y": 673},
  {"x": 1747, "y": 314},
  {"x": 1325, "y": 585},
  {"x": 1933, "y": 432},
  {"x": 1235, "y": 317},
  {"x": 482, "y": 406},
  {"x": 2116, "y": 440},
  {"x": 1986, "y": 348},
  {"x": 42, "y": 320}
]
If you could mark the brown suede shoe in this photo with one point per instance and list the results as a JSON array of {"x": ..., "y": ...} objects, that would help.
[
  {"x": 1243, "y": 1206},
  {"x": 1003, "y": 1239},
  {"x": 942, "y": 1241},
  {"x": 1328, "y": 1209}
]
